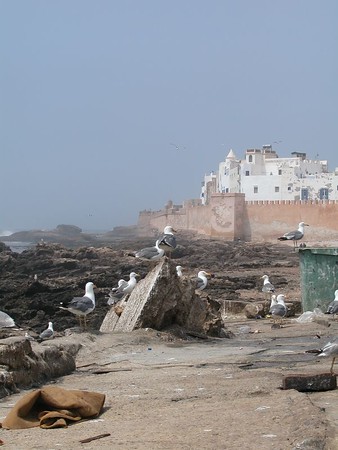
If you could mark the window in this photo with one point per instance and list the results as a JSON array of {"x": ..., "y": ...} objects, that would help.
[
  {"x": 227, "y": 190},
  {"x": 289, "y": 188},
  {"x": 279, "y": 171},
  {"x": 255, "y": 189},
  {"x": 323, "y": 194},
  {"x": 276, "y": 188},
  {"x": 304, "y": 194},
  {"x": 247, "y": 173},
  {"x": 250, "y": 158}
]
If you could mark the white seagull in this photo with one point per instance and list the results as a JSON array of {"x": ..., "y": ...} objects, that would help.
[
  {"x": 124, "y": 288},
  {"x": 150, "y": 253},
  {"x": 330, "y": 350},
  {"x": 278, "y": 308},
  {"x": 333, "y": 306},
  {"x": 167, "y": 241},
  {"x": 179, "y": 271},
  {"x": 202, "y": 280},
  {"x": 268, "y": 288},
  {"x": 48, "y": 333},
  {"x": 81, "y": 306},
  {"x": 294, "y": 235}
]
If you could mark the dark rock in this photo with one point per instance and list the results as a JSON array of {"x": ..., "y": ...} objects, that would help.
[{"x": 313, "y": 382}]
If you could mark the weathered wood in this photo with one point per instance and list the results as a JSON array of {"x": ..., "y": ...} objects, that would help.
[{"x": 313, "y": 382}]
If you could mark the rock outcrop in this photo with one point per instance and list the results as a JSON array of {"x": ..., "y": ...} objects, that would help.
[
  {"x": 163, "y": 299},
  {"x": 22, "y": 366}
]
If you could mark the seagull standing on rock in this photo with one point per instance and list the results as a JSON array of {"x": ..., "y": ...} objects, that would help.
[
  {"x": 268, "y": 288},
  {"x": 81, "y": 306},
  {"x": 294, "y": 235},
  {"x": 48, "y": 333},
  {"x": 124, "y": 288},
  {"x": 278, "y": 308},
  {"x": 150, "y": 253},
  {"x": 202, "y": 280},
  {"x": 333, "y": 306},
  {"x": 179, "y": 271},
  {"x": 167, "y": 241}
]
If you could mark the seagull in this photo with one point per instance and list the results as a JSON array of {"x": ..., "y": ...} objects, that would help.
[
  {"x": 6, "y": 321},
  {"x": 48, "y": 333},
  {"x": 28, "y": 337},
  {"x": 294, "y": 235},
  {"x": 179, "y": 271},
  {"x": 278, "y": 308},
  {"x": 167, "y": 241},
  {"x": 81, "y": 306},
  {"x": 333, "y": 306},
  {"x": 124, "y": 288},
  {"x": 117, "y": 293},
  {"x": 202, "y": 280},
  {"x": 150, "y": 253},
  {"x": 268, "y": 288},
  {"x": 330, "y": 350}
]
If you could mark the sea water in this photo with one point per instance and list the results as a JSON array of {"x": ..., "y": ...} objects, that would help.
[{"x": 19, "y": 247}]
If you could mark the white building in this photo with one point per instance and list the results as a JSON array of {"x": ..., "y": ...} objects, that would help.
[{"x": 262, "y": 175}]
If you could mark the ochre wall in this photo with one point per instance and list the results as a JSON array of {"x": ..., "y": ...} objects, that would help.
[{"x": 228, "y": 216}]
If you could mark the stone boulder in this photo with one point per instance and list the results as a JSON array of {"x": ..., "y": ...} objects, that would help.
[
  {"x": 24, "y": 366},
  {"x": 162, "y": 300}
]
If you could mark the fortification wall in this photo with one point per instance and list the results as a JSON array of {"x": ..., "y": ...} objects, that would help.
[{"x": 230, "y": 217}]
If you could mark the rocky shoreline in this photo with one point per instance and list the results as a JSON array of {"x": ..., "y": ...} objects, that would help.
[{"x": 62, "y": 273}]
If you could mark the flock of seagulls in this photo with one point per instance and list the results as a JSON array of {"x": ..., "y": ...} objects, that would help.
[{"x": 164, "y": 245}]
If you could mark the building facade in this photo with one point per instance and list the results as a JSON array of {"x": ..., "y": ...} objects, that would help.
[{"x": 263, "y": 176}]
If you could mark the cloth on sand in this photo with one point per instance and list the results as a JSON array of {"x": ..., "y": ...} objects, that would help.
[{"x": 53, "y": 407}]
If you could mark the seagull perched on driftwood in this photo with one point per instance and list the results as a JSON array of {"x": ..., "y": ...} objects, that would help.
[
  {"x": 81, "y": 306},
  {"x": 294, "y": 235}
]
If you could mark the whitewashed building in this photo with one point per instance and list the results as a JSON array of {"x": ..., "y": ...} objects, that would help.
[{"x": 262, "y": 175}]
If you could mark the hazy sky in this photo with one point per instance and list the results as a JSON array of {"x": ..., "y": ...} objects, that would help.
[{"x": 93, "y": 93}]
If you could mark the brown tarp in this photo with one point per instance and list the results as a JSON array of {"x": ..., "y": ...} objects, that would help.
[{"x": 53, "y": 407}]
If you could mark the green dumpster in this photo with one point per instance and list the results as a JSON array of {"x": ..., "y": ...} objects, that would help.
[{"x": 318, "y": 277}]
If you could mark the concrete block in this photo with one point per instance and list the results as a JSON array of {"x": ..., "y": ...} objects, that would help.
[{"x": 313, "y": 382}]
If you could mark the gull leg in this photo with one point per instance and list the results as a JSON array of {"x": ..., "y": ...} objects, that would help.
[{"x": 331, "y": 370}]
